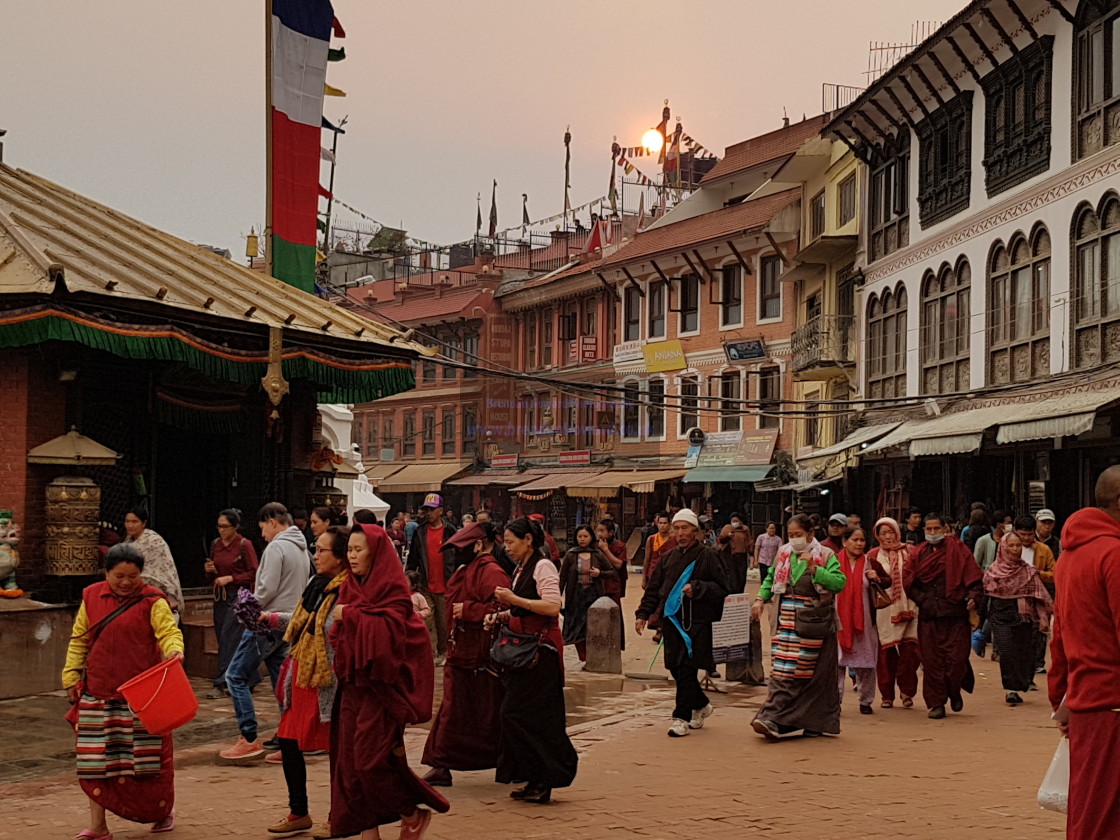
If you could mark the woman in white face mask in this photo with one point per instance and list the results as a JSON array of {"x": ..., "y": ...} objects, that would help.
[{"x": 803, "y": 699}]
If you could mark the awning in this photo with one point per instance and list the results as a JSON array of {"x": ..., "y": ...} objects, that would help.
[
  {"x": 1053, "y": 427},
  {"x": 421, "y": 478},
  {"x": 554, "y": 481},
  {"x": 715, "y": 475},
  {"x": 509, "y": 478},
  {"x": 798, "y": 488},
  {"x": 608, "y": 484},
  {"x": 947, "y": 445},
  {"x": 867, "y": 434},
  {"x": 376, "y": 473}
]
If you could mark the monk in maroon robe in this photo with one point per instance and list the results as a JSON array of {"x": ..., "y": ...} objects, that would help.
[
  {"x": 466, "y": 731},
  {"x": 947, "y": 585},
  {"x": 386, "y": 681}
]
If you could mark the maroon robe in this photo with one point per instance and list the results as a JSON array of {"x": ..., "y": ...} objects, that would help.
[
  {"x": 465, "y": 733},
  {"x": 386, "y": 681}
]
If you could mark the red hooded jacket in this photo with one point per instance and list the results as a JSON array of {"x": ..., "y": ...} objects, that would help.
[{"x": 1086, "y": 645}]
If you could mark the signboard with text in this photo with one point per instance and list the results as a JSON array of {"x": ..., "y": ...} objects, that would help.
[
  {"x": 663, "y": 356},
  {"x": 731, "y": 635},
  {"x": 504, "y": 461},
  {"x": 744, "y": 351},
  {"x": 577, "y": 458}
]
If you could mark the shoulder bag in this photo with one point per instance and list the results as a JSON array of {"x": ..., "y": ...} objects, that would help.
[
  {"x": 880, "y": 596},
  {"x": 815, "y": 622},
  {"x": 515, "y": 651}
]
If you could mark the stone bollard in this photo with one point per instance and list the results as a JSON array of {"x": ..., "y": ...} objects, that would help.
[{"x": 604, "y": 633}]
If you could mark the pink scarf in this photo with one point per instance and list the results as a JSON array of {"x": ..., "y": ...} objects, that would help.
[
  {"x": 1010, "y": 578},
  {"x": 902, "y": 610},
  {"x": 783, "y": 565}
]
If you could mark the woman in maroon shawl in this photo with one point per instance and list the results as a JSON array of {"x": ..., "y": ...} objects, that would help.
[
  {"x": 466, "y": 730},
  {"x": 1018, "y": 604},
  {"x": 386, "y": 681},
  {"x": 947, "y": 586}
]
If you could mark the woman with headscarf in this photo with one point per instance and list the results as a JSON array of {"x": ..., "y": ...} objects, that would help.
[
  {"x": 583, "y": 574},
  {"x": 307, "y": 685},
  {"x": 534, "y": 746},
  {"x": 466, "y": 729},
  {"x": 1018, "y": 604},
  {"x": 159, "y": 565},
  {"x": 858, "y": 636},
  {"x": 386, "y": 681},
  {"x": 803, "y": 676},
  {"x": 899, "y": 654},
  {"x": 123, "y": 628}
]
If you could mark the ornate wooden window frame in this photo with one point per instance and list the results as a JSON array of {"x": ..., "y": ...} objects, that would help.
[
  {"x": 945, "y": 160},
  {"x": 887, "y": 343},
  {"x": 1017, "y": 117},
  {"x": 1018, "y": 319},
  {"x": 945, "y": 328}
]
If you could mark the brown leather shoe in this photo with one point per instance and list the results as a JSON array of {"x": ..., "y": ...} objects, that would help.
[{"x": 291, "y": 823}]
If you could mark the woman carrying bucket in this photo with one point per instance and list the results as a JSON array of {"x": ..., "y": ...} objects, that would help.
[{"x": 123, "y": 628}]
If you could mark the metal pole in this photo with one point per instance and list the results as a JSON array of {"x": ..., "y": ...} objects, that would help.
[
  {"x": 330, "y": 187},
  {"x": 267, "y": 232}
]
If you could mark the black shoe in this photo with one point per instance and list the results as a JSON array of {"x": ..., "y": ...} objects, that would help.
[
  {"x": 217, "y": 693},
  {"x": 956, "y": 703},
  {"x": 866, "y": 710},
  {"x": 1033, "y": 686},
  {"x": 532, "y": 793},
  {"x": 438, "y": 777},
  {"x": 936, "y": 713},
  {"x": 272, "y": 743},
  {"x": 1013, "y": 698}
]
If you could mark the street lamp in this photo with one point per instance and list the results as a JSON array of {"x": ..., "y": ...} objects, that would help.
[{"x": 653, "y": 141}]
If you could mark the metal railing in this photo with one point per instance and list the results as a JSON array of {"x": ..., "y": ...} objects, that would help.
[{"x": 824, "y": 340}]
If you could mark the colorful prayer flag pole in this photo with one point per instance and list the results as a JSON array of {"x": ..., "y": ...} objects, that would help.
[{"x": 298, "y": 40}]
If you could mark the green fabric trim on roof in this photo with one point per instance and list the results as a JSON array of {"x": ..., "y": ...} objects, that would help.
[
  {"x": 714, "y": 475},
  {"x": 343, "y": 385},
  {"x": 160, "y": 348},
  {"x": 204, "y": 422},
  {"x": 294, "y": 264}
]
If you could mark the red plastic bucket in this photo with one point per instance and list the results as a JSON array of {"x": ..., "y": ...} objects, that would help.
[{"x": 161, "y": 697}]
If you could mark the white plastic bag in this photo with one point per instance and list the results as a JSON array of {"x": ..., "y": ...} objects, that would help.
[{"x": 1053, "y": 793}]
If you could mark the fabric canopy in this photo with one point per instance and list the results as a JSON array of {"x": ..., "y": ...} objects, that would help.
[
  {"x": 1053, "y": 427},
  {"x": 715, "y": 475},
  {"x": 555, "y": 481},
  {"x": 867, "y": 434},
  {"x": 421, "y": 478},
  {"x": 947, "y": 445},
  {"x": 508, "y": 478},
  {"x": 608, "y": 484}
]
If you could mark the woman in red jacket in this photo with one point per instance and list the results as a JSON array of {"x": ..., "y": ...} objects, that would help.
[{"x": 232, "y": 566}]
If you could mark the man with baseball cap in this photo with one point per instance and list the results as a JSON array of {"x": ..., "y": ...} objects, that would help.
[
  {"x": 837, "y": 525},
  {"x": 429, "y": 559},
  {"x": 687, "y": 589},
  {"x": 1045, "y": 525}
]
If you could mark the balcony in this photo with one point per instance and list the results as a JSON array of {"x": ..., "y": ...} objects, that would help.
[{"x": 823, "y": 345}]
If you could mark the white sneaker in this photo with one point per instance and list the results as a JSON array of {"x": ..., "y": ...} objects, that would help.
[
  {"x": 699, "y": 716},
  {"x": 678, "y": 728}
]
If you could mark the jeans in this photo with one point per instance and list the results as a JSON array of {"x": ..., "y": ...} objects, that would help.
[
  {"x": 228, "y": 630},
  {"x": 244, "y": 670}
]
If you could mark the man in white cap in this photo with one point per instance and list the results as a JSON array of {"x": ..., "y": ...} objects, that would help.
[
  {"x": 687, "y": 588},
  {"x": 1045, "y": 523},
  {"x": 837, "y": 524}
]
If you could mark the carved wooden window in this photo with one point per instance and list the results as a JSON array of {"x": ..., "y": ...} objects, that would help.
[
  {"x": 945, "y": 160},
  {"x": 1019, "y": 309},
  {"x": 690, "y": 404},
  {"x": 408, "y": 437},
  {"x": 1017, "y": 117},
  {"x": 1096, "y": 77},
  {"x": 889, "y": 200},
  {"x": 1096, "y": 284},
  {"x": 886, "y": 344},
  {"x": 945, "y": 332},
  {"x": 731, "y": 410},
  {"x": 769, "y": 397}
]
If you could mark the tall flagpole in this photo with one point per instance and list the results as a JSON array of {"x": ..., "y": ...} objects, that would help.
[{"x": 268, "y": 138}]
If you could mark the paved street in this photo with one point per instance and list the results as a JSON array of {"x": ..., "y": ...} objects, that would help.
[{"x": 894, "y": 774}]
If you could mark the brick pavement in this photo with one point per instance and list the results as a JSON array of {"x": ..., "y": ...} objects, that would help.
[{"x": 894, "y": 774}]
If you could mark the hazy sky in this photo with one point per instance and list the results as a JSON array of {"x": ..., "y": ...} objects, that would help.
[{"x": 156, "y": 108}]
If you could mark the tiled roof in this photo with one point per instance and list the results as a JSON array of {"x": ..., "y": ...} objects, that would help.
[
  {"x": 50, "y": 235},
  {"x": 423, "y": 306},
  {"x": 765, "y": 147},
  {"x": 729, "y": 221}
]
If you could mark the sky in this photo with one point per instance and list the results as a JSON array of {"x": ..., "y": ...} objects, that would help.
[{"x": 157, "y": 108}]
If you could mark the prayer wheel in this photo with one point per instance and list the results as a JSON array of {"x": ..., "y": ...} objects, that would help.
[{"x": 73, "y": 513}]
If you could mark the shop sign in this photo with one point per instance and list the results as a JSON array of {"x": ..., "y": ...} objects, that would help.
[
  {"x": 745, "y": 351},
  {"x": 504, "y": 461},
  {"x": 627, "y": 353},
  {"x": 577, "y": 458},
  {"x": 664, "y": 356},
  {"x": 757, "y": 447},
  {"x": 589, "y": 348},
  {"x": 720, "y": 449},
  {"x": 692, "y": 457}
]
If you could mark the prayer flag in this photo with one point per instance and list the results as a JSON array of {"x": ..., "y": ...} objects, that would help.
[
  {"x": 524, "y": 213},
  {"x": 324, "y": 192},
  {"x": 326, "y": 154},
  {"x": 478, "y": 219},
  {"x": 332, "y": 91},
  {"x": 336, "y": 55},
  {"x": 494, "y": 211},
  {"x": 327, "y": 124},
  {"x": 336, "y": 27},
  {"x": 300, "y": 39}
]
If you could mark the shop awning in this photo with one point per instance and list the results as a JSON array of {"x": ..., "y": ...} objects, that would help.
[
  {"x": 716, "y": 475},
  {"x": 555, "y": 481},
  {"x": 609, "y": 483},
  {"x": 1052, "y": 427},
  {"x": 947, "y": 445},
  {"x": 421, "y": 478},
  {"x": 508, "y": 478},
  {"x": 376, "y": 473},
  {"x": 867, "y": 434},
  {"x": 797, "y": 488}
]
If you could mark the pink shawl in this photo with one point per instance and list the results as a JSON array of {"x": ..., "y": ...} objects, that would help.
[{"x": 1009, "y": 578}]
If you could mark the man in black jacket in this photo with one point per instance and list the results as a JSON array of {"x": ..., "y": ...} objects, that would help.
[
  {"x": 701, "y": 604},
  {"x": 434, "y": 564}
]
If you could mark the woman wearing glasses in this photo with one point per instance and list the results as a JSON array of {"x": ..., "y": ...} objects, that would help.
[{"x": 232, "y": 566}]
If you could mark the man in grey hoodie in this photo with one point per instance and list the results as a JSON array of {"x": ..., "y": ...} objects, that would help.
[{"x": 283, "y": 574}]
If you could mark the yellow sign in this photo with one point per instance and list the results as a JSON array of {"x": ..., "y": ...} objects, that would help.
[{"x": 664, "y": 356}]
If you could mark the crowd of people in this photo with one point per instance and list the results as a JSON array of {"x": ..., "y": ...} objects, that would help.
[{"x": 351, "y": 623}]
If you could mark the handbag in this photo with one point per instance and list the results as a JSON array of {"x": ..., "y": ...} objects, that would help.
[
  {"x": 516, "y": 651},
  {"x": 880, "y": 596},
  {"x": 815, "y": 622}
]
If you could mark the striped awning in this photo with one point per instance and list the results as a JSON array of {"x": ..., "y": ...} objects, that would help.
[
  {"x": 608, "y": 484},
  {"x": 421, "y": 478},
  {"x": 554, "y": 481}
]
